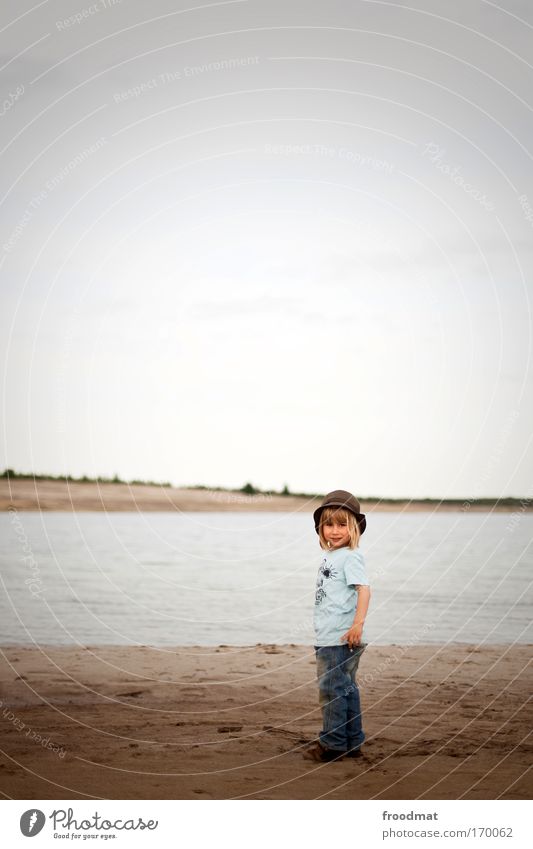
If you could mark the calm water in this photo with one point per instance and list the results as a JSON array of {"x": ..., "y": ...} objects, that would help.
[{"x": 243, "y": 578}]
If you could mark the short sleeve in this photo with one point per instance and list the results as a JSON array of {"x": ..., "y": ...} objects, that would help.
[{"x": 355, "y": 569}]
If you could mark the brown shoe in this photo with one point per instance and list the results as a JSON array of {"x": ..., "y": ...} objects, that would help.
[
  {"x": 321, "y": 755},
  {"x": 354, "y": 753}
]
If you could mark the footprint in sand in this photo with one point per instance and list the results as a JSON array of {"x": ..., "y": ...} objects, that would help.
[{"x": 133, "y": 694}]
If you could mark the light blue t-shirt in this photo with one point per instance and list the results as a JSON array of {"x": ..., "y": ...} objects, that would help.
[{"x": 336, "y": 597}]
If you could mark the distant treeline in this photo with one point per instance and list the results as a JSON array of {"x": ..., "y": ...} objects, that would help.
[
  {"x": 10, "y": 473},
  {"x": 250, "y": 489}
]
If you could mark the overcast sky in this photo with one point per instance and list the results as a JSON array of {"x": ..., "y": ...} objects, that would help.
[{"x": 279, "y": 242}]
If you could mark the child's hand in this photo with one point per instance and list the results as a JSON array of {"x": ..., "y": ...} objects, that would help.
[{"x": 353, "y": 636}]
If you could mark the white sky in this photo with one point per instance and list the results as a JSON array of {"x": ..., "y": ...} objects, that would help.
[{"x": 273, "y": 272}]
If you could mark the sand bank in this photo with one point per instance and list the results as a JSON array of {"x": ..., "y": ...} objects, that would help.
[
  {"x": 22, "y": 494},
  {"x": 226, "y": 722}
]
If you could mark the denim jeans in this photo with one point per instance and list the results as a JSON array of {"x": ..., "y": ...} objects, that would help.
[{"x": 339, "y": 696}]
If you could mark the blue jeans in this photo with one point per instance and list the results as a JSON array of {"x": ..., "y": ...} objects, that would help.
[{"x": 339, "y": 696}]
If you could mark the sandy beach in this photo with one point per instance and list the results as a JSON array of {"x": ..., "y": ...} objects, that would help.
[
  {"x": 29, "y": 494},
  {"x": 442, "y": 722}
]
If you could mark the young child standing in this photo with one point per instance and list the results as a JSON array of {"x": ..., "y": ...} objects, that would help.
[{"x": 341, "y": 604}]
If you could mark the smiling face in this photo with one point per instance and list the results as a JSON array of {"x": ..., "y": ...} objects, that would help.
[{"x": 336, "y": 530}]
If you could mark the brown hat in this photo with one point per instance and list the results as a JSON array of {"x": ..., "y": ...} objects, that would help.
[{"x": 341, "y": 498}]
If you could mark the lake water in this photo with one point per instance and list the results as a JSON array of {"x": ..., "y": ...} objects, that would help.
[{"x": 168, "y": 579}]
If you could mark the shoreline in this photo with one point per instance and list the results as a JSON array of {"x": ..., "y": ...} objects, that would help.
[
  {"x": 228, "y": 722},
  {"x": 44, "y": 495},
  {"x": 474, "y": 646}
]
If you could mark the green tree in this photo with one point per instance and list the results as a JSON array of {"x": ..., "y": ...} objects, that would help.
[{"x": 249, "y": 489}]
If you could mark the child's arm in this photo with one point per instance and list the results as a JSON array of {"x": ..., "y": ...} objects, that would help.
[{"x": 353, "y": 636}]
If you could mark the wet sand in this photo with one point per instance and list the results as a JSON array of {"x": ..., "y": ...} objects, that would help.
[{"x": 442, "y": 722}]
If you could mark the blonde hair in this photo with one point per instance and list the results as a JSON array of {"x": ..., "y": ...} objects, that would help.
[{"x": 339, "y": 513}]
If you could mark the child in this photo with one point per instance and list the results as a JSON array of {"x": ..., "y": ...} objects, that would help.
[{"x": 341, "y": 604}]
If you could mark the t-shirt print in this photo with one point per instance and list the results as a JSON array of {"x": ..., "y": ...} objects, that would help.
[{"x": 325, "y": 572}]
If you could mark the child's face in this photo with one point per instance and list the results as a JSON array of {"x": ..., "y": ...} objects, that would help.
[{"x": 336, "y": 532}]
